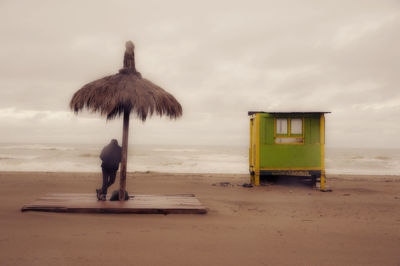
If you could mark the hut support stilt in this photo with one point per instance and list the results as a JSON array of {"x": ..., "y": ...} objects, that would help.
[
  {"x": 125, "y": 134},
  {"x": 257, "y": 179}
]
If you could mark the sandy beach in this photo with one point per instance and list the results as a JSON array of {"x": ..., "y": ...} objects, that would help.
[{"x": 286, "y": 223}]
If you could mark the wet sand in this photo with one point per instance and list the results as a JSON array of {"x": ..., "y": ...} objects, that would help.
[{"x": 285, "y": 223}]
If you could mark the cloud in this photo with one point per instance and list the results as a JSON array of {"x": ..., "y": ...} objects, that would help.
[{"x": 348, "y": 34}]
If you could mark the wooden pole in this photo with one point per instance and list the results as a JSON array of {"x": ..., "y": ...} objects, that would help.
[
  {"x": 322, "y": 140},
  {"x": 125, "y": 133}
]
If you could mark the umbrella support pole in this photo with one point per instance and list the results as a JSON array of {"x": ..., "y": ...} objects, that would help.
[{"x": 125, "y": 134}]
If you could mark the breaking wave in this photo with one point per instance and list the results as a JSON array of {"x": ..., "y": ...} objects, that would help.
[{"x": 182, "y": 159}]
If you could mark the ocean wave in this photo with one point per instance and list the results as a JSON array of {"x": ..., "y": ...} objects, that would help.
[
  {"x": 361, "y": 159},
  {"x": 88, "y": 155},
  {"x": 36, "y": 147},
  {"x": 66, "y": 166},
  {"x": 175, "y": 150},
  {"x": 17, "y": 157},
  {"x": 383, "y": 158},
  {"x": 171, "y": 163},
  {"x": 180, "y": 159}
]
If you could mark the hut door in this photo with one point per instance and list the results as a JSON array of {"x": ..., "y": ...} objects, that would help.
[{"x": 252, "y": 152}]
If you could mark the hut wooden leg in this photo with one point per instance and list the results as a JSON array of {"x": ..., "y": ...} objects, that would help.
[
  {"x": 314, "y": 181},
  {"x": 257, "y": 179},
  {"x": 323, "y": 181},
  {"x": 125, "y": 133}
]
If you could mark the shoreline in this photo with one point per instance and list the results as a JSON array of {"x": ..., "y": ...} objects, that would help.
[{"x": 329, "y": 176}]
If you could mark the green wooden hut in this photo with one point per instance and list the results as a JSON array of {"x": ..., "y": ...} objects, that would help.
[{"x": 283, "y": 143}]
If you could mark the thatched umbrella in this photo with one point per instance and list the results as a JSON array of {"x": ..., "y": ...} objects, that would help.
[{"x": 123, "y": 93}]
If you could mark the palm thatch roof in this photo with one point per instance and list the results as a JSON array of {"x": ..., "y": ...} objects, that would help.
[{"x": 126, "y": 91}]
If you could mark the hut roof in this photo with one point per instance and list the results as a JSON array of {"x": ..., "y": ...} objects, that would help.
[
  {"x": 126, "y": 91},
  {"x": 288, "y": 113}
]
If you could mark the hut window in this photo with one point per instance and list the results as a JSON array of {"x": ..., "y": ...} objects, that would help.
[
  {"x": 296, "y": 126},
  {"x": 289, "y": 131},
  {"x": 289, "y": 140},
  {"x": 281, "y": 126}
]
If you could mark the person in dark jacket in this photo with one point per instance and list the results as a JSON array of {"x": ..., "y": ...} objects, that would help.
[{"x": 111, "y": 157}]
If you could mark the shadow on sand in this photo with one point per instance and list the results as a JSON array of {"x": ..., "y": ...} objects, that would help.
[{"x": 287, "y": 180}]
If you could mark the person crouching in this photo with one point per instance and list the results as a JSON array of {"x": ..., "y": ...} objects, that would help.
[{"x": 110, "y": 157}]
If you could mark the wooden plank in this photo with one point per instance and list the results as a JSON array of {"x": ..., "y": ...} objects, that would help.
[{"x": 88, "y": 203}]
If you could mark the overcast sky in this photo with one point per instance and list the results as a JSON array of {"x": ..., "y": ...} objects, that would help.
[{"x": 220, "y": 59}]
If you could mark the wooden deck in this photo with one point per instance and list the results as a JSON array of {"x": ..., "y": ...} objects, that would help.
[{"x": 145, "y": 204}]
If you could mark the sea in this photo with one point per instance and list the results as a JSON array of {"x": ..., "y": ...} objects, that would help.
[{"x": 183, "y": 159}]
